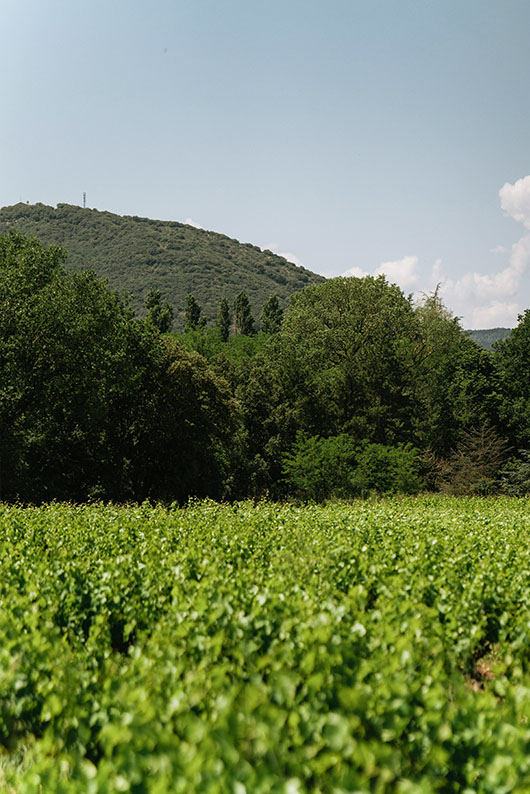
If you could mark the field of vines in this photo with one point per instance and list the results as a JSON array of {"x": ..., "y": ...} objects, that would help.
[{"x": 379, "y": 646}]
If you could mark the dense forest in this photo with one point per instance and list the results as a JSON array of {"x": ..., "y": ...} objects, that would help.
[
  {"x": 352, "y": 390},
  {"x": 138, "y": 254}
]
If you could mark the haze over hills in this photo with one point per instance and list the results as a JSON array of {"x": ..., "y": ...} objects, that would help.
[
  {"x": 136, "y": 254},
  {"x": 487, "y": 337}
]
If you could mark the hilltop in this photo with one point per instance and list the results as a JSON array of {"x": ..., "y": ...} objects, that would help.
[
  {"x": 136, "y": 254},
  {"x": 487, "y": 337}
]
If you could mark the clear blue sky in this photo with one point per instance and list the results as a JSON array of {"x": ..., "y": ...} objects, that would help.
[{"x": 368, "y": 137}]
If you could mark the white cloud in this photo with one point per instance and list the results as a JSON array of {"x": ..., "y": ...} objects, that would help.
[
  {"x": 291, "y": 257},
  {"x": 495, "y": 315},
  {"x": 486, "y": 300},
  {"x": 403, "y": 272},
  {"x": 436, "y": 273},
  {"x": 515, "y": 200},
  {"x": 275, "y": 248},
  {"x": 356, "y": 272},
  {"x": 481, "y": 300},
  {"x": 191, "y": 222}
]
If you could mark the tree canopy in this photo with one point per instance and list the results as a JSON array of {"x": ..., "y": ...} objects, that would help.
[
  {"x": 138, "y": 254},
  {"x": 98, "y": 403},
  {"x": 87, "y": 388}
]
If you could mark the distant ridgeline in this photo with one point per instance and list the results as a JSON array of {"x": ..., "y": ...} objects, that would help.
[
  {"x": 138, "y": 254},
  {"x": 487, "y": 337}
]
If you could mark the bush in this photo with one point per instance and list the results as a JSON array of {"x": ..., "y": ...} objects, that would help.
[
  {"x": 320, "y": 468},
  {"x": 386, "y": 470}
]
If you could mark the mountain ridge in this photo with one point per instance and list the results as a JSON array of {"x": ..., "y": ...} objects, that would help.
[{"x": 136, "y": 254}]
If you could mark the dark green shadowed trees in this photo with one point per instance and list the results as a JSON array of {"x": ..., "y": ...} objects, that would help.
[{"x": 93, "y": 402}]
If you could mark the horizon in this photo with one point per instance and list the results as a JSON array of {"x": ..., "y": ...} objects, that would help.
[
  {"x": 350, "y": 139},
  {"x": 242, "y": 242}
]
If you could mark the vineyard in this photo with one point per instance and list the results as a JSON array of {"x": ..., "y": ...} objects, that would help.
[{"x": 263, "y": 649}]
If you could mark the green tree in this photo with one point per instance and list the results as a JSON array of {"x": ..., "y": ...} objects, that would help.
[
  {"x": 243, "y": 319},
  {"x": 188, "y": 429},
  {"x": 343, "y": 363},
  {"x": 456, "y": 383},
  {"x": 348, "y": 351},
  {"x": 271, "y": 316},
  {"x": 194, "y": 316},
  {"x": 319, "y": 468},
  {"x": 223, "y": 320},
  {"x": 93, "y": 402},
  {"x": 512, "y": 359},
  {"x": 159, "y": 314}
]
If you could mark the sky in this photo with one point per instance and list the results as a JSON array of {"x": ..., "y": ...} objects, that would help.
[{"x": 353, "y": 137}]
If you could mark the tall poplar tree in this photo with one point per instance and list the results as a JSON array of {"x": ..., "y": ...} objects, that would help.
[
  {"x": 243, "y": 319},
  {"x": 193, "y": 314},
  {"x": 271, "y": 316},
  {"x": 223, "y": 320}
]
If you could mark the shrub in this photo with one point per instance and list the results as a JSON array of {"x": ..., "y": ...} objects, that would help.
[{"x": 320, "y": 468}]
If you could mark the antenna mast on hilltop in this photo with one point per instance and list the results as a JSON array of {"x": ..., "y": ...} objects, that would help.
[{"x": 84, "y": 199}]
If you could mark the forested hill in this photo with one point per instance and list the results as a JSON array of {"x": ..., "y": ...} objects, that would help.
[
  {"x": 138, "y": 254},
  {"x": 487, "y": 337}
]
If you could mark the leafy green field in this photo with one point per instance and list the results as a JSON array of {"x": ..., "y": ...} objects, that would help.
[{"x": 366, "y": 647}]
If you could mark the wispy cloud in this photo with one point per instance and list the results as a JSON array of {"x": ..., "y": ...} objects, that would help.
[{"x": 495, "y": 315}]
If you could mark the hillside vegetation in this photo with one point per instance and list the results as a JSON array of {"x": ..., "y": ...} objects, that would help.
[
  {"x": 487, "y": 337},
  {"x": 352, "y": 390},
  {"x": 138, "y": 254}
]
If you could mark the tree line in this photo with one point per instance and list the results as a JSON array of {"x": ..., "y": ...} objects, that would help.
[{"x": 352, "y": 390}]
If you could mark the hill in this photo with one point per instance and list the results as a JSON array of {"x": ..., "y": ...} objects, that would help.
[
  {"x": 486, "y": 337},
  {"x": 136, "y": 254}
]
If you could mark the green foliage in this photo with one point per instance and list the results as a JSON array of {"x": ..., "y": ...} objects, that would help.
[
  {"x": 271, "y": 316},
  {"x": 320, "y": 468},
  {"x": 343, "y": 363},
  {"x": 223, "y": 320},
  {"x": 159, "y": 314},
  {"x": 488, "y": 337},
  {"x": 371, "y": 647},
  {"x": 386, "y": 470},
  {"x": 243, "y": 319},
  {"x": 512, "y": 358},
  {"x": 351, "y": 342},
  {"x": 515, "y": 475},
  {"x": 456, "y": 382},
  {"x": 193, "y": 314},
  {"x": 137, "y": 254},
  {"x": 93, "y": 402}
]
